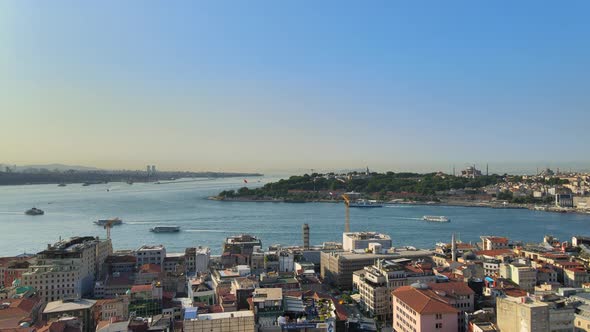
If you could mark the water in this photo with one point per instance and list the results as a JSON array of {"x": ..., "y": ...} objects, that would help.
[{"x": 70, "y": 211}]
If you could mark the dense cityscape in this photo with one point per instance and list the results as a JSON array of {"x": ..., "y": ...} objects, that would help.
[{"x": 364, "y": 283}]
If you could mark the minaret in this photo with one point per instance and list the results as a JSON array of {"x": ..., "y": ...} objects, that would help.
[
  {"x": 453, "y": 248},
  {"x": 487, "y": 170},
  {"x": 305, "y": 236}
]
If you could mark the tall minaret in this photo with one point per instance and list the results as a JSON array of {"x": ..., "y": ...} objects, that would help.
[{"x": 453, "y": 248}]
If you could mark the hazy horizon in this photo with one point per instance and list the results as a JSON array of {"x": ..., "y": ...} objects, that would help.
[{"x": 259, "y": 86}]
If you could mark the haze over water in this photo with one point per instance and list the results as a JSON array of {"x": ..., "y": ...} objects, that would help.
[{"x": 71, "y": 210}]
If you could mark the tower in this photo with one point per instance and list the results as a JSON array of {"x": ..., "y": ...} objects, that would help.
[
  {"x": 487, "y": 170},
  {"x": 453, "y": 248},
  {"x": 305, "y": 236}
]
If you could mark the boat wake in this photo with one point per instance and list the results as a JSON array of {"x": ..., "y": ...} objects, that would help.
[{"x": 405, "y": 218}]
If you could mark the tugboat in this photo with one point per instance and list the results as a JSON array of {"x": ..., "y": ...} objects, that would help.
[
  {"x": 34, "y": 212},
  {"x": 114, "y": 221}
]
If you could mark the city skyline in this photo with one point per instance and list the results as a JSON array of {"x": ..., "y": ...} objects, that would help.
[{"x": 261, "y": 86}]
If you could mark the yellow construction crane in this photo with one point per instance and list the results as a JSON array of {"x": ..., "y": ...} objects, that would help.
[
  {"x": 347, "y": 208},
  {"x": 108, "y": 225}
]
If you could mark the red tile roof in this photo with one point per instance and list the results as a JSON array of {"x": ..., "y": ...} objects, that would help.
[
  {"x": 495, "y": 252},
  {"x": 452, "y": 287},
  {"x": 141, "y": 288},
  {"x": 422, "y": 301},
  {"x": 498, "y": 240}
]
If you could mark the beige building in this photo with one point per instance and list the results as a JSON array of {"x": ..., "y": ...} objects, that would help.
[
  {"x": 337, "y": 267},
  {"x": 535, "y": 314},
  {"x": 523, "y": 275},
  {"x": 361, "y": 240},
  {"x": 514, "y": 314},
  {"x": 375, "y": 283},
  {"x": 68, "y": 268},
  {"x": 238, "y": 321},
  {"x": 494, "y": 242}
]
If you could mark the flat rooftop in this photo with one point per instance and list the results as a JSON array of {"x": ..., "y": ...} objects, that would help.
[
  {"x": 222, "y": 315},
  {"x": 367, "y": 236},
  {"x": 62, "y": 306}
]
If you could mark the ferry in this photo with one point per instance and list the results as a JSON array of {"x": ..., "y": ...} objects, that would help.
[
  {"x": 436, "y": 218},
  {"x": 363, "y": 203},
  {"x": 114, "y": 221},
  {"x": 34, "y": 212},
  {"x": 165, "y": 229}
]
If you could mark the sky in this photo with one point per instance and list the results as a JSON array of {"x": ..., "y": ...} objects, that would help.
[{"x": 286, "y": 85}]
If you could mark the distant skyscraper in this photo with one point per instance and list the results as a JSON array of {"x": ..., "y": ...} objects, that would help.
[
  {"x": 153, "y": 168},
  {"x": 148, "y": 169}
]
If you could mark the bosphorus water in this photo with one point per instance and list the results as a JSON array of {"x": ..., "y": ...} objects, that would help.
[{"x": 71, "y": 210}]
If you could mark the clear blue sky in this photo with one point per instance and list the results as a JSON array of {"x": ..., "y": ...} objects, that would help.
[{"x": 257, "y": 85}]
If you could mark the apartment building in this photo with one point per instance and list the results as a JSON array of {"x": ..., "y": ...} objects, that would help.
[
  {"x": 361, "y": 240},
  {"x": 147, "y": 254},
  {"x": 417, "y": 308},
  {"x": 375, "y": 283},
  {"x": 68, "y": 268}
]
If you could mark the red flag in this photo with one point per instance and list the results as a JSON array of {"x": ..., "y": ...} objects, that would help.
[{"x": 245, "y": 181}]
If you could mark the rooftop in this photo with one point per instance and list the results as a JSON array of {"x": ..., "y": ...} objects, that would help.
[
  {"x": 68, "y": 305},
  {"x": 423, "y": 301},
  {"x": 367, "y": 236},
  {"x": 151, "y": 247},
  {"x": 267, "y": 294},
  {"x": 222, "y": 315}
]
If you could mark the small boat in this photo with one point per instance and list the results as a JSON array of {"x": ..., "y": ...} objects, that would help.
[
  {"x": 61, "y": 185},
  {"x": 113, "y": 222},
  {"x": 436, "y": 218},
  {"x": 364, "y": 203},
  {"x": 165, "y": 229},
  {"x": 34, "y": 212}
]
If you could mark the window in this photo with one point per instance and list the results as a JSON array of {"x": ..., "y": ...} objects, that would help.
[
  {"x": 438, "y": 326},
  {"x": 438, "y": 316}
]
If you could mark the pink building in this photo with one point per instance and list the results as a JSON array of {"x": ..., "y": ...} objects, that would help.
[{"x": 419, "y": 308}]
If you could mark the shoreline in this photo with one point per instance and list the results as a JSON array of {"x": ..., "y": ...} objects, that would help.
[{"x": 489, "y": 205}]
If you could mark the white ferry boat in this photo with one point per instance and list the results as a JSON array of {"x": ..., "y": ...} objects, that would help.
[
  {"x": 114, "y": 221},
  {"x": 165, "y": 229},
  {"x": 364, "y": 203},
  {"x": 436, "y": 218}
]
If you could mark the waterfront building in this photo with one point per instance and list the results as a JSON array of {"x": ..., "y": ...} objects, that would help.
[
  {"x": 68, "y": 268},
  {"x": 82, "y": 309},
  {"x": 361, "y": 240},
  {"x": 417, "y": 308},
  {"x": 494, "y": 242},
  {"x": 202, "y": 257},
  {"x": 239, "y": 321},
  {"x": 150, "y": 255},
  {"x": 564, "y": 200},
  {"x": 174, "y": 262}
]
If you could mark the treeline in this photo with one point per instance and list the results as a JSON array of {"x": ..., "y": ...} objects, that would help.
[{"x": 422, "y": 184}]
